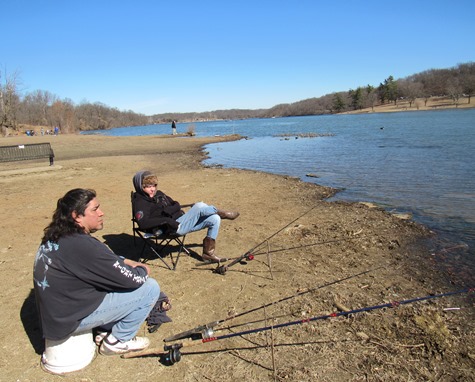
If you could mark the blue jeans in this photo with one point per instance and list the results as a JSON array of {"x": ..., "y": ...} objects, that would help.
[
  {"x": 200, "y": 216},
  {"x": 122, "y": 313}
]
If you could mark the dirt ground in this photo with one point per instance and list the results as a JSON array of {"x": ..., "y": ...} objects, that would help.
[{"x": 431, "y": 340}]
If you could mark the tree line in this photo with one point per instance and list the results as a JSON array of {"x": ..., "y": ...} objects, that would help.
[
  {"x": 455, "y": 83},
  {"x": 41, "y": 108}
]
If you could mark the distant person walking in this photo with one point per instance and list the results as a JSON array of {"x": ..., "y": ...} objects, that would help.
[{"x": 173, "y": 127}]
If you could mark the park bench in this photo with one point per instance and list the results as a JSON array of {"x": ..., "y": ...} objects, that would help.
[{"x": 27, "y": 152}]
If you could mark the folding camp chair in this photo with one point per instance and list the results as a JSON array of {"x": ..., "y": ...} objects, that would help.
[{"x": 159, "y": 242}]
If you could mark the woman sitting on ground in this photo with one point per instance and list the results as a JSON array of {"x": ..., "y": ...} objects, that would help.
[{"x": 154, "y": 210}]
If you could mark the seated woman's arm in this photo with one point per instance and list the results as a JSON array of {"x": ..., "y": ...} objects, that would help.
[{"x": 151, "y": 215}]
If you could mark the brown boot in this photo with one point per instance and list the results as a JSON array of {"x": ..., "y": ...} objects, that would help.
[
  {"x": 230, "y": 215},
  {"x": 209, "y": 245}
]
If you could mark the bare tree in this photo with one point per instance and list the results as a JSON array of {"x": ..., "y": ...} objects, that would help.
[
  {"x": 9, "y": 100},
  {"x": 454, "y": 90},
  {"x": 410, "y": 90},
  {"x": 63, "y": 115},
  {"x": 38, "y": 104},
  {"x": 467, "y": 79}
]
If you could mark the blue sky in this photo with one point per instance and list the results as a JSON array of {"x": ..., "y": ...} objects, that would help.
[{"x": 158, "y": 56}]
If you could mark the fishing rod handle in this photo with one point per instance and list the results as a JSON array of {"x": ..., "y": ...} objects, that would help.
[
  {"x": 158, "y": 351},
  {"x": 151, "y": 351}
]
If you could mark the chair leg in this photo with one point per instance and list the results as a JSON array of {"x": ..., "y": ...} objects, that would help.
[
  {"x": 157, "y": 254},
  {"x": 181, "y": 248},
  {"x": 151, "y": 246},
  {"x": 157, "y": 245}
]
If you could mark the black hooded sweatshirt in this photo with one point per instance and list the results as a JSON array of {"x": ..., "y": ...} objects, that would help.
[
  {"x": 161, "y": 211},
  {"x": 72, "y": 277}
]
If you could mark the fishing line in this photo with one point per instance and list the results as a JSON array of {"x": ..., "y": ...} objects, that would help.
[{"x": 248, "y": 255}]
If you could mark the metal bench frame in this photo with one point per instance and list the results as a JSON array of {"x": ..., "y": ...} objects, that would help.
[{"x": 27, "y": 152}]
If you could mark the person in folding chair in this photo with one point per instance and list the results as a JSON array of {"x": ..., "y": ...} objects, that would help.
[{"x": 154, "y": 210}]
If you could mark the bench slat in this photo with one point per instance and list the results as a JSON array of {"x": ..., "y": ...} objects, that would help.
[{"x": 26, "y": 152}]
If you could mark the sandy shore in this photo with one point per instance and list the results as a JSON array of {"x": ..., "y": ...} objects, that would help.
[{"x": 331, "y": 241}]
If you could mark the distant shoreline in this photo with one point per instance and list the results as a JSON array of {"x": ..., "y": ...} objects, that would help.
[{"x": 433, "y": 103}]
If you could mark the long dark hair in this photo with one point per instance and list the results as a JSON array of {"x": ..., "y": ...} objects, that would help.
[{"x": 63, "y": 223}]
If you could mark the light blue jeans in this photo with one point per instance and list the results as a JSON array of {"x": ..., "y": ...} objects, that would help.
[
  {"x": 200, "y": 216},
  {"x": 122, "y": 313}
]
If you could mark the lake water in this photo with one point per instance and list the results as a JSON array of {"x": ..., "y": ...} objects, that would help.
[{"x": 421, "y": 163}]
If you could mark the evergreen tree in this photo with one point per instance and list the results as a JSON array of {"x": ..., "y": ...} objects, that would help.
[{"x": 338, "y": 103}]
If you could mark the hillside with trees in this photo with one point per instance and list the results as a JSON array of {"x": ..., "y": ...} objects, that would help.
[
  {"x": 41, "y": 108},
  {"x": 455, "y": 83}
]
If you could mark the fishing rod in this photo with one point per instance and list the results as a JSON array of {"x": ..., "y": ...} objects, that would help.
[
  {"x": 230, "y": 327},
  {"x": 222, "y": 269},
  {"x": 172, "y": 352},
  {"x": 306, "y": 245},
  {"x": 296, "y": 247},
  {"x": 206, "y": 328}
]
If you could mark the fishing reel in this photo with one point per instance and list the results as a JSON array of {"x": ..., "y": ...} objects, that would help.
[
  {"x": 174, "y": 354},
  {"x": 204, "y": 334},
  {"x": 221, "y": 270},
  {"x": 207, "y": 333}
]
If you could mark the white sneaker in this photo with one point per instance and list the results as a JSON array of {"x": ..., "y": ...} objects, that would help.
[{"x": 112, "y": 346}]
